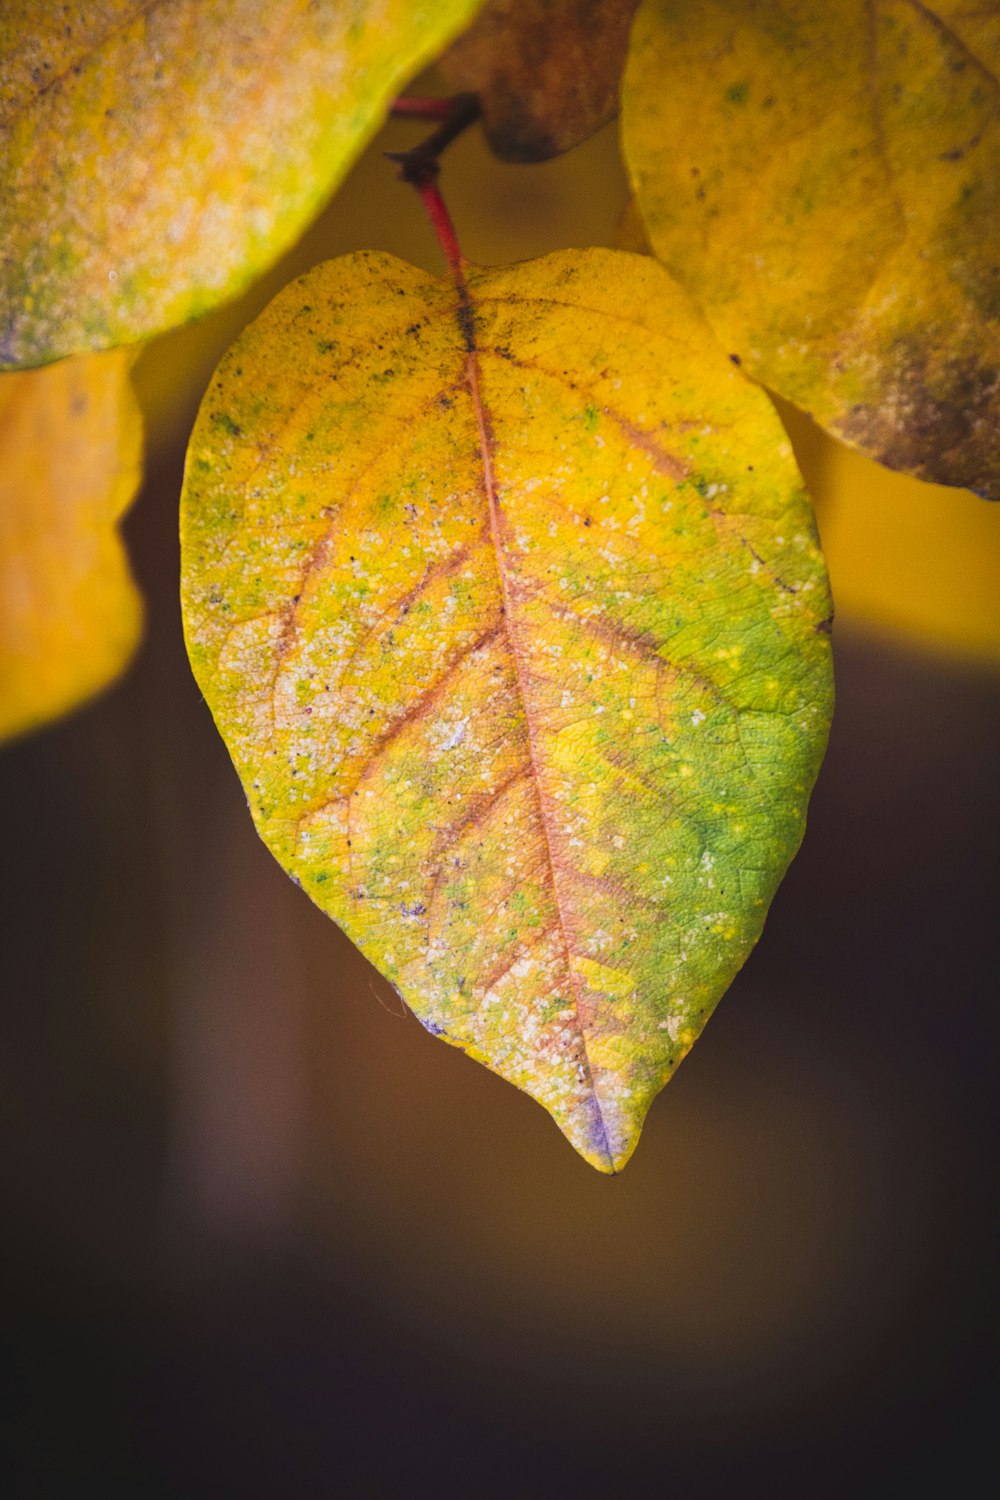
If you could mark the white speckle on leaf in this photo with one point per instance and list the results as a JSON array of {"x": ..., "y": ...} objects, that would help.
[{"x": 457, "y": 734}]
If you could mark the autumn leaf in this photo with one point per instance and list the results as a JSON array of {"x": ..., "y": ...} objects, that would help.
[
  {"x": 547, "y": 71},
  {"x": 70, "y": 454},
  {"x": 824, "y": 178},
  {"x": 158, "y": 156},
  {"x": 507, "y": 602}
]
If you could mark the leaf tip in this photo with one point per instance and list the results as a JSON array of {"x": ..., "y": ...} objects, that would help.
[{"x": 604, "y": 1133}]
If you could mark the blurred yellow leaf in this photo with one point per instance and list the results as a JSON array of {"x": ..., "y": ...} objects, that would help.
[
  {"x": 70, "y": 457},
  {"x": 547, "y": 71},
  {"x": 506, "y": 598},
  {"x": 824, "y": 177},
  {"x": 156, "y": 157}
]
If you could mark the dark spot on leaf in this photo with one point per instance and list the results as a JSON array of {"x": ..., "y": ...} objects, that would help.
[
  {"x": 937, "y": 425},
  {"x": 467, "y": 325}
]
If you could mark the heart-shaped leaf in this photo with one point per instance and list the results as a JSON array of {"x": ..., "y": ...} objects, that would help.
[
  {"x": 157, "y": 155},
  {"x": 824, "y": 178},
  {"x": 506, "y": 598},
  {"x": 71, "y": 448}
]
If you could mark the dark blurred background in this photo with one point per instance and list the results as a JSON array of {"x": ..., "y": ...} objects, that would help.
[{"x": 265, "y": 1236}]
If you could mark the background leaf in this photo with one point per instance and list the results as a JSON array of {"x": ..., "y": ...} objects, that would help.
[
  {"x": 71, "y": 440},
  {"x": 156, "y": 157},
  {"x": 825, "y": 180},
  {"x": 547, "y": 71},
  {"x": 510, "y": 612}
]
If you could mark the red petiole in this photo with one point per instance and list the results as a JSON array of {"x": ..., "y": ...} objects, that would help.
[{"x": 420, "y": 166}]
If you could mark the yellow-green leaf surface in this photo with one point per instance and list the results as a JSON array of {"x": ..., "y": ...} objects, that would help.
[
  {"x": 547, "y": 72},
  {"x": 156, "y": 155},
  {"x": 824, "y": 177},
  {"x": 506, "y": 598},
  {"x": 70, "y": 455}
]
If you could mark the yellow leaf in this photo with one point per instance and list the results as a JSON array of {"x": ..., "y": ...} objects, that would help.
[
  {"x": 70, "y": 456},
  {"x": 506, "y": 599},
  {"x": 547, "y": 71},
  {"x": 824, "y": 178},
  {"x": 158, "y": 156}
]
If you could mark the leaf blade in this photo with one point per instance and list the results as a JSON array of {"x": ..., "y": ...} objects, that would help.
[
  {"x": 477, "y": 755},
  {"x": 158, "y": 157}
]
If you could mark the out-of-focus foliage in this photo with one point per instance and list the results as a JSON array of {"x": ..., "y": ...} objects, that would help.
[
  {"x": 506, "y": 598},
  {"x": 157, "y": 157},
  {"x": 824, "y": 178},
  {"x": 547, "y": 71},
  {"x": 70, "y": 445}
]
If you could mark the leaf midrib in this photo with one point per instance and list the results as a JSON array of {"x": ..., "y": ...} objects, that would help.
[{"x": 466, "y": 306}]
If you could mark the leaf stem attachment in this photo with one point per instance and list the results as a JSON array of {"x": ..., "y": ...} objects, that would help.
[{"x": 420, "y": 166}]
